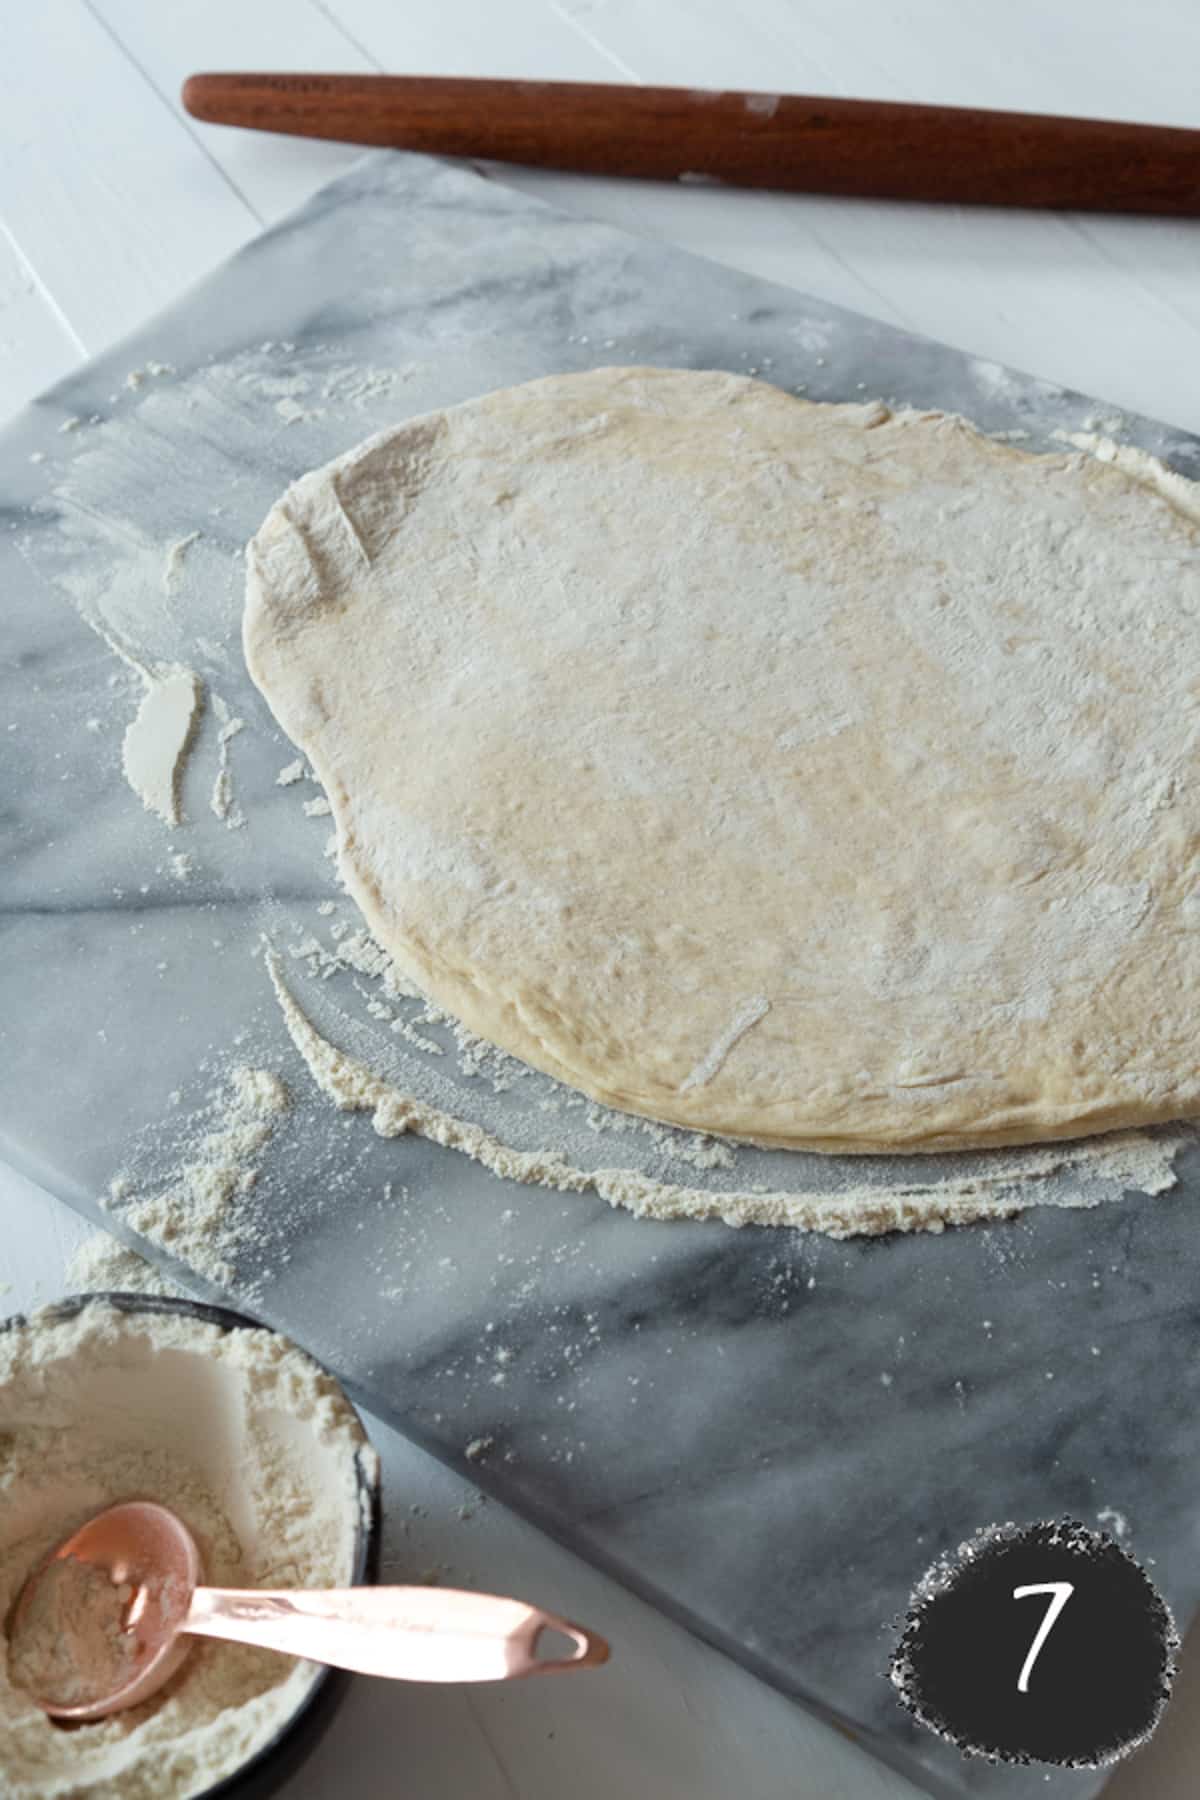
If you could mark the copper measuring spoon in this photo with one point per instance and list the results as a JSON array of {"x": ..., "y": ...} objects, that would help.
[{"x": 406, "y": 1633}]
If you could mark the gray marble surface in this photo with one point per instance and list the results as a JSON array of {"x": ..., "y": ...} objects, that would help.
[{"x": 768, "y": 1434}]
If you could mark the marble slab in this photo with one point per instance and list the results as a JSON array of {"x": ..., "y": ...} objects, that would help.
[{"x": 770, "y": 1435}]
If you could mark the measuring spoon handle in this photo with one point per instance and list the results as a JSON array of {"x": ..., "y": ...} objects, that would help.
[{"x": 404, "y": 1633}]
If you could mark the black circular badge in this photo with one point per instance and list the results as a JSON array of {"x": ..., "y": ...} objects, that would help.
[{"x": 1038, "y": 1643}]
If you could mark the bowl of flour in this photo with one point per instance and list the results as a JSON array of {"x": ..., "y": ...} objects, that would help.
[{"x": 115, "y": 1397}]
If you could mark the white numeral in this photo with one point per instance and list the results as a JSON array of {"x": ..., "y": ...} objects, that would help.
[{"x": 1061, "y": 1591}]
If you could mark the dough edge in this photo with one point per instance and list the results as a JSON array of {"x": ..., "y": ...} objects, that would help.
[{"x": 524, "y": 1031}]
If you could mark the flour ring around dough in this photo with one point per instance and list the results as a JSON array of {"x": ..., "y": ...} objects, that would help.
[{"x": 820, "y": 776}]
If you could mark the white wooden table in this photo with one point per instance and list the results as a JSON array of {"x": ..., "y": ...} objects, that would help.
[{"x": 111, "y": 202}]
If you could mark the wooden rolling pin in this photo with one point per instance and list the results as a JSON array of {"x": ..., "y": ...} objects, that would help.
[{"x": 816, "y": 146}]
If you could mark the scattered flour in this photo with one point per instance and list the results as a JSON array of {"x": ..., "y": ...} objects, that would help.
[
  {"x": 194, "y": 1214},
  {"x": 136, "y": 378},
  {"x": 120, "y": 578},
  {"x": 158, "y": 738},
  {"x": 1114, "y": 1522},
  {"x": 1003, "y": 1182},
  {"x": 359, "y": 384},
  {"x": 222, "y": 801},
  {"x": 293, "y": 772},
  {"x": 256, "y": 1449},
  {"x": 173, "y": 563},
  {"x": 222, "y": 794}
]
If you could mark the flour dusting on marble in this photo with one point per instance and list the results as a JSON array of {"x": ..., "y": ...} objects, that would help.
[
  {"x": 1003, "y": 1182},
  {"x": 173, "y": 563},
  {"x": 222, "y": 801},
  {"x": 487, "y": 1070},
  {"x": 125, "y": 581},
  {"x": 194, "y": 1210},
  {"x": 157, "y": 740}
]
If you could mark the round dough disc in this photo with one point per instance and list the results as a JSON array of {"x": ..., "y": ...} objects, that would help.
[{"x": 815, "y": 775}]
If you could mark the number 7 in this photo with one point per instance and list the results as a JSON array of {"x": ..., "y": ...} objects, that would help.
[{"x": 1062, "y": 1591}]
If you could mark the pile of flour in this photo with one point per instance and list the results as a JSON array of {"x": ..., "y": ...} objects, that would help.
[
  {"x": 102, "y": 1264},
  {"x": 250, "y": 1443}
]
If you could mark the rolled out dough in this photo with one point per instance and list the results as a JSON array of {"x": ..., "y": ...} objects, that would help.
[{"x": 816, "y": 775}]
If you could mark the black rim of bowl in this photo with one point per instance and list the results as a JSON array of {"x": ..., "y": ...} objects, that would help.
[{"x": 266, "y": 1768}]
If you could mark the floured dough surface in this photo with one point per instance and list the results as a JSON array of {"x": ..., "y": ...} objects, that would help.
[{"x": 809, "y": 774}]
